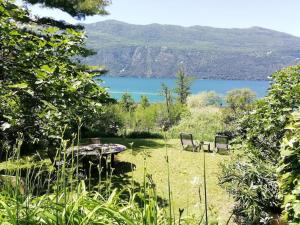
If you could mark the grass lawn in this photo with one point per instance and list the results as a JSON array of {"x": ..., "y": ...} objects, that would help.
[{"x": 186, "y": 174}]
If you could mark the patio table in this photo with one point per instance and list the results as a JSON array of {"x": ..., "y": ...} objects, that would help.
[{"x": 97, "y": 150}]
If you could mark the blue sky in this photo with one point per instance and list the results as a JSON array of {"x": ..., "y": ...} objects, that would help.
[{"x": 281, "y": 15}]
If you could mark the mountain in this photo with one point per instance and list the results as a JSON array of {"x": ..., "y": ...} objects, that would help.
[{"x": 210, "y": 53}]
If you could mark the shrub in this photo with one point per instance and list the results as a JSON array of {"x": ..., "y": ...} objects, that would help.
[
  {"x": 240, "y": 99},
  {"x": 289, "y": 171},
  {"x": 202, "y": 99},
  {"x": 239, "y": 102},
  {"x": 145, "y": 118},
  {"x": 108, "y": 124},
  {"x": 203, "y": 123},
  {"x": 251, "y": 177}
]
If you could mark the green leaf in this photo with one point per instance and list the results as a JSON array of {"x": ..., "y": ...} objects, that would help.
[
  {"x": 47, "y": 68},
  {"x": 19, "y": 86}
]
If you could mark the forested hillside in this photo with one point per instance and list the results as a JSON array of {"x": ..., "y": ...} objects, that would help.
[{"x": 215, "y": 53}]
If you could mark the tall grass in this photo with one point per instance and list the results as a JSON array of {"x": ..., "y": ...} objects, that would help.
[{"x": 47, "y": 195}]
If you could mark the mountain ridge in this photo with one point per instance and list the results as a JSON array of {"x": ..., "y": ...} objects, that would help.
[{"x": 157, "y": 50}]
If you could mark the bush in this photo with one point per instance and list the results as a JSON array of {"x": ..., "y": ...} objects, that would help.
[
  {"x": 240, "y": 99},
  {"x": 289, "y": 171},
  {"x": 108, "y": 124},
  {"x": 251, "y": 177},
  {"x": 239, "y": 102},
  {"x": 203, "y": 123},
  {"x": 203, "y": 99}
]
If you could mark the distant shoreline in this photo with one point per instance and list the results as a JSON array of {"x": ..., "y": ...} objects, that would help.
[
  {"x": 151, "y": 87},
  {"x": 173, "y": 77}
]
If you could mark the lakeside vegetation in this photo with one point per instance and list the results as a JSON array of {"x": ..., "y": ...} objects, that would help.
[{"x": 50, "y": 102}]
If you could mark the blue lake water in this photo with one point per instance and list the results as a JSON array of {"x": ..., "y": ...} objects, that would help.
[{"x": 151, "y": 86}]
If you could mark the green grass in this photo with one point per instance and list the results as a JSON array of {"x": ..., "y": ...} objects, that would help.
[{"x": 186, "y": 174}]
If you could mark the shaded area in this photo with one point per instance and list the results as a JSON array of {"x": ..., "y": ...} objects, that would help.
[{"x": 137, "y": 145}]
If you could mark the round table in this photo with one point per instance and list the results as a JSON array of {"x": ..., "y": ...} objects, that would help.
[{"x": 97, "y": 150}]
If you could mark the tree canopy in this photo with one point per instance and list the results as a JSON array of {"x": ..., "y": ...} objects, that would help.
[
  {"x": 183, "y": 86},
  {"x": 76, "y": 8},
  {"x": 43, "y": 90}
]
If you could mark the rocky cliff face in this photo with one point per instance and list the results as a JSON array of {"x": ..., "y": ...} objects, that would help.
[{"x": 208, "y": 53}]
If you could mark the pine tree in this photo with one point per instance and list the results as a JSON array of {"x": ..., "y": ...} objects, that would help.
[{"x": 183, "y": 85}]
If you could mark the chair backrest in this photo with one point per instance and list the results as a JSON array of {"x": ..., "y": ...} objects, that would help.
[
  {"x": 221, "y": 142},
  {"x": 186, "y": 139}
]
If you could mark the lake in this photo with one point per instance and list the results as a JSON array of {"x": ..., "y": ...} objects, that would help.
[{"x": 151, "y": 86}]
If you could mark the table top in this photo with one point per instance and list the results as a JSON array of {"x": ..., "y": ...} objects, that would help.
[{"x": 96, "y": 149}]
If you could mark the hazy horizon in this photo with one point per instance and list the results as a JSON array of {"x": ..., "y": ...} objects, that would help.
[
  {"x": 275, "y": 14},
  {"x": 188, "y": 26}
]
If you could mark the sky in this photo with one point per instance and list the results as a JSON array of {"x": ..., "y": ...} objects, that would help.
[{"x": 280, "y": 15}]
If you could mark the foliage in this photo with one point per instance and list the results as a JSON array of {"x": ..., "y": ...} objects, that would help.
[
  {"x": 203, "y": 99},
  {"x": 183, "y": 86},
  {"x": 239, "y": 102},
  {"x": 150, "y": 119},
  {"x": 127, "y": 102},
  {"x": 168, "y": 97},
  {"x": 145, "y": 119},
  {"x": 165, "y": 116},
  {"x": 108, "y": 123},
  {"x": 251, "y": 175},
  {"x": 203, "y": 123},
  {"x": 240, "y": 99},
  {"x": 76, "y": 8},
  {"x": 41, "y": 87},
  {"x": 289, "y": 171},
  {"x": 144, "y": 101}
]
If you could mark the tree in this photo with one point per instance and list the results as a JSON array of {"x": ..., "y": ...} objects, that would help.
[
  {"x": 183, "y": 86},
  {"x": 165, "y": 115},
  {"x": 43, "y": 91},
  {"x": 239, "y": 102},
  {"x": 127, "y": 102},
  {"x": 166, "y": 93},
  {"x": 78, "y": 8},
  {"x": 240, "y": 99},
  {"x": 144, "y": 101},
  {"x": 203, "y": 99},
  {"x": 250, "y": 176}
]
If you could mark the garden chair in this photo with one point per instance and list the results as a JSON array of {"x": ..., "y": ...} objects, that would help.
[
  {"x": 188, "y": 141},
  {"x": 221, "y": 142}
]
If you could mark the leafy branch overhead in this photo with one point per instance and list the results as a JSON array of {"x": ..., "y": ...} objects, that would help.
[
  {"x": 76, "y": 8},
  {"x": 42, "y": 86}
]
